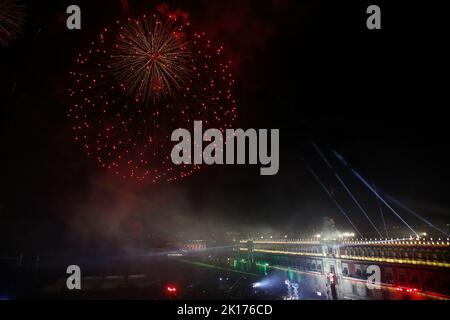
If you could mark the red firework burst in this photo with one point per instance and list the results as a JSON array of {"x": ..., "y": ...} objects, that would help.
[{"x": 137, "y": 83}]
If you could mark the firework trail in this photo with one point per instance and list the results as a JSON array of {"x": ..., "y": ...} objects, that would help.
[
  {"x": 136, "y": 83},
  {"x": 12, "y": 20}
]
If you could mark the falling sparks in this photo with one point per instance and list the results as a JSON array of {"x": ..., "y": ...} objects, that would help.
[
  {"x": 12, "y": 20},
  {"x": 139, "y": 81}
]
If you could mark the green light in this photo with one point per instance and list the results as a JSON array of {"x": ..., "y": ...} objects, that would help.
[{"x": 291, "y": 275}]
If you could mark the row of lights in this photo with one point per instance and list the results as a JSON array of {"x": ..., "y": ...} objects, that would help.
[
  {"x": 400, "y": 241},
  {"x": 392, "y": 241},
  {"x": 343, "y": 235},
  {"x": 285, "y": 252},
  {"x": 388, "y": 260},
  {"x": 402, "y": 261},
  {"x": 293, "y": 241}
]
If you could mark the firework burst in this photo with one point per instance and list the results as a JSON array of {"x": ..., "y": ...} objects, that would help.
[
  {"x": 151, "y": 58},
  {"x": 12, "y": 20},
  {"x": 126, "y": 102}
]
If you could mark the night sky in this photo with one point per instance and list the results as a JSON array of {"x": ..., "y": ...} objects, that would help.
[{"x": 309, "y": 68}]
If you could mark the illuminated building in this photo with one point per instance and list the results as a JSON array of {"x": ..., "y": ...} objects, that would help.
[{"x": 420, "y": 266}]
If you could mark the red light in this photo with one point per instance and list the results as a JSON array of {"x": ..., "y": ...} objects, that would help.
[
  {"x": 407, "y": 289},
  {"x": 171, "y": 289}
]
